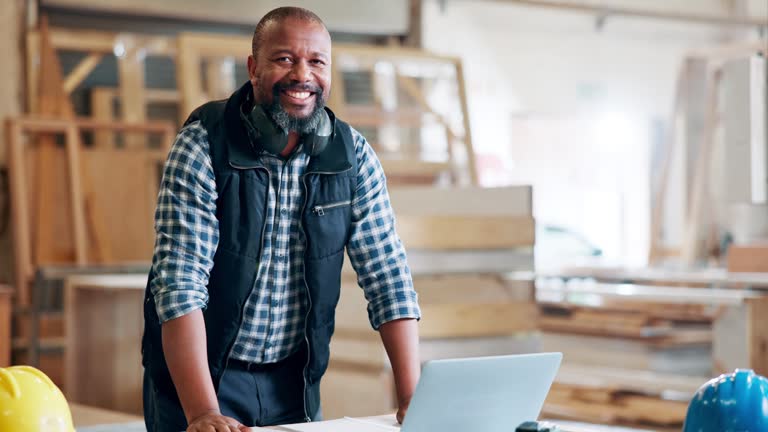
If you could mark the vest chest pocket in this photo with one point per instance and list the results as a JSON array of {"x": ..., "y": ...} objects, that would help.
[{"x": 327, "y": 227}]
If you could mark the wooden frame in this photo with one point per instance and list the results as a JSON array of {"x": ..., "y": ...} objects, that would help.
[
  {"x": 195, "y": 48},
  {"x": 97, "y": 44},
  {"x": 20, "y": 192},
  {"x": 713, "y": 57}
]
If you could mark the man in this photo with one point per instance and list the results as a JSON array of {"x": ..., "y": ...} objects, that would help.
[{"x": 261, "y": 195}]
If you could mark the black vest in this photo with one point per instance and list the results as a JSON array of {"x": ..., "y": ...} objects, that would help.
[{"x": 242, "y": 183}]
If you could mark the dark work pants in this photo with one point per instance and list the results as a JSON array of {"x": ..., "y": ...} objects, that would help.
[{"x": 254, "y": 395}]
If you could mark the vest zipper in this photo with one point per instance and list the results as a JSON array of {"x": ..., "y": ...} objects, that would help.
[
  {"x": 320, "y": 210},
  {"x": 253, "y": 283},
  {"x": 307, "y": 418}
]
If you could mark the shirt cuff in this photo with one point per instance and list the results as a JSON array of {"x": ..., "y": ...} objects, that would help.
[
  {"x": 394, "y": 306},
  {"x": 178, "y": 301}
]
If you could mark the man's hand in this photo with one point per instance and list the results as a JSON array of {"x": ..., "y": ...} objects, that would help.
[
  {"x": 401, "y": 412},
  {"x": 401, "y": 340},
  {"x": 213, "y": 421}
]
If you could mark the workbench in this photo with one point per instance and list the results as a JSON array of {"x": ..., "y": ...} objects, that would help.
[{"x": 88, "y": 419}]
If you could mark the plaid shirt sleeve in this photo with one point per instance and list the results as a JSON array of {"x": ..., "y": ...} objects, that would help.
[
  {"x": 187, "y": 231},
  {"x": 375, "y": 250}
]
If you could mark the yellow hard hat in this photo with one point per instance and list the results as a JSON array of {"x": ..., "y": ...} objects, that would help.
[{"x": 31, "y": 402}]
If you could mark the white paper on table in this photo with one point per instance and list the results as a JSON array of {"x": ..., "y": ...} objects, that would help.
[{"x": 345, "y": 425}]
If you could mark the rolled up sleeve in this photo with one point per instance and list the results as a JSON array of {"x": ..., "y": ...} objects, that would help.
[
  {"x": 375, "y": 250},
  {"x": 186, "y": 227}
]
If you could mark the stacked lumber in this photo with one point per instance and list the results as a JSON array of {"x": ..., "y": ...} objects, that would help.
[
  {"x": 612, "y": 396},
  {"x": 461, "y": 243},
  {"x": 633, "y": 355}
]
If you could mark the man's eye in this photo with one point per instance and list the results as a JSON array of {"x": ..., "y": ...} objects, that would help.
[
  {"x": 284, "y": 59},
  {"x": 318, "y": 62}
]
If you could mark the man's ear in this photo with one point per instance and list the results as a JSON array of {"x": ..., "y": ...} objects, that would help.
[{"x": 252, "y": 69}]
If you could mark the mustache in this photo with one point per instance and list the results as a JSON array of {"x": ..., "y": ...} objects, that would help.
[{"x": 278, "y": 87}]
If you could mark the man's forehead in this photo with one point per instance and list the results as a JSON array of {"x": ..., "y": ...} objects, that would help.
[{"x": 291, "y": 27}]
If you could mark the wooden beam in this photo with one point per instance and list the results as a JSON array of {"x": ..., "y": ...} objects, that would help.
[
  {"x": 693, "y": 243},
  {"x": 57, "y": 125},
  {"x": 670, "y": 144},
  {"x": 76, "y": 194},
  {"x": 102, "y": 109},
  {"x": 465, "y": 232},
  {"x": 22, "y": 243},
  {"x": 54, "y": 102},
  {"x": 415, "y": 29},
  {"x": 337, "y": 100},
  {"x": 605, "y": 10},
  {"x": 81, "y": 71},
  {"x": 130, "y": 67},
  {"x": 103, "y": 42},
  {"x": 188, "y": 76},
  {"x": 462, "y": 88},
  {"x": 373, "y": 54}
]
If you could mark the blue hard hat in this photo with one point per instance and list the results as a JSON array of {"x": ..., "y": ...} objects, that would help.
[{"x": 736, "y": 402}]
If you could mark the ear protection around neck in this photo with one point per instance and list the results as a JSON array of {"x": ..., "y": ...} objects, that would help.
[{"x": 264, "y": 134}]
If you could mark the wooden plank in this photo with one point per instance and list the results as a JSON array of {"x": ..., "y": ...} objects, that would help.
[
  {"x": 471, "y": 163},
  {"x": 76, "y": 194},
  {"x": 708, "y": 277},
  {"x": 694, "y": 241},
  {"x": 337, "y": 100},
  {"x": 362, "y": 115},
  {"x": 52, "y": 101},
  {"x": 464, "y": 201},
  {"x": 41, "y": 124},
  {"x": 401, "y": 172},
  {"x": 477, "y": 320},
  {"x": 130, "y": 68},
  {"x": 81, "y": 71},
  {"x": 22, "y": 243},
  {"x": 33, "y": 71},
  {"x": 670, "y": 144},
  {"x": 471, "y": 288},
  {"x": 102, "y": 108},
  {"x": 373, "y": 54},
  {"x": 104, "y": 42},
  {"x": 635, "y": 293},
  {"x": 617, "y": 378},
  {"x": 465, "y": 232},
  {"x": 188, "y": 76}
]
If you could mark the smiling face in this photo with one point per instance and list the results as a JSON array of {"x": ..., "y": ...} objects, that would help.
[{"x": 291, "y": 72}]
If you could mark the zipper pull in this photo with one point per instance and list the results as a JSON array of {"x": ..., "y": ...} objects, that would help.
[{"x": 318, "y": 210}]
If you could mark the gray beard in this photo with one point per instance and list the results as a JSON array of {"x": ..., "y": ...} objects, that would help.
[{"x": 289, "y": 123}]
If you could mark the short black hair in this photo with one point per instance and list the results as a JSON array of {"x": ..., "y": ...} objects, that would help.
[{"x": 277, "y": 15}]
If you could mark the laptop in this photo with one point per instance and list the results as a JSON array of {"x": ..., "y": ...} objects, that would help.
[{"x": 481, "y": 394}]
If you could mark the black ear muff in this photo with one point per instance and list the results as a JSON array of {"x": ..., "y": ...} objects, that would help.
[
  {"x": 265, "y": 135},
  {"x": 263, "y": 131},
  {"x": 315, "y": 143}
]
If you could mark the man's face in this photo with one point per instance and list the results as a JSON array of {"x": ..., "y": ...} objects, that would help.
[{"x": 292, "y": 70}]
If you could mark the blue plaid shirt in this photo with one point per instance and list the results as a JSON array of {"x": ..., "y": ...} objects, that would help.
[{"x": 273, "y": 325}]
